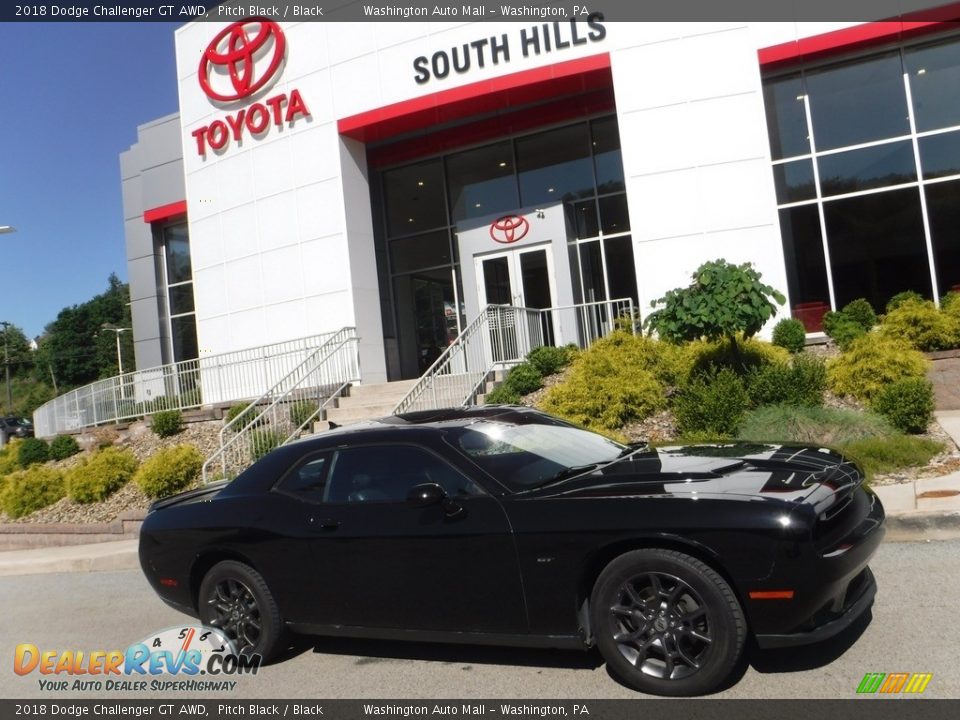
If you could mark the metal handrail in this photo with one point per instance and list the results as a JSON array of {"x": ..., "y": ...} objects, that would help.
[
  {"x": 222, "y": 378},
  {"x": 317, "y": 379},
  {"x": 501, "y": 336}
]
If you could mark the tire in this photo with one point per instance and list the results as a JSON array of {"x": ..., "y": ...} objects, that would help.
[
  {"x": 235, "y": 599},
  {"x": 686, "y": 643}
]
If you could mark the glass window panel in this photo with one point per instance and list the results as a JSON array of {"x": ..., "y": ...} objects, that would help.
[
  {"x": 177, "y": 242},
  {"x": 184, "y": 331},
  {"x": 591, "y": 266},
  {"x": 621, "y": 273},
  {"x": 482, "y": 181},
  {"x": 583, "y": 217},
  {"x": 426, "y": 316},
  {"x": 786, "y": 117},
  {"x": 867, "y": 168},
  {"x": 309, "y": 480},
  {"x": 535, "y": 279},
  {"x": 605, "y": 136},
  {"x": 940, "y": 154},
  {"x": 858, "y": 102},
  {"x": 496, "y": 281},
  {"x": 420, "y": 251},
  {"x": 943, "y": 212},
  {"x": 794, "y": 181},
  {"x": 181, "y": 299},
  {"x": 613, "y": 214},
  {"x": 414, "y": 198},
  {"x": 573, "y": 257},
  {"x": 806, "y": 269},
  {"x": 877, "y": 246},
  {"x": 555, "y": 166},
  {"x": 934, "y": 78}
]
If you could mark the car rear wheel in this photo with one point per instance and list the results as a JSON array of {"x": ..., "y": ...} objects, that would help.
[
  {"x": 666, "y": 623},
  {"x": 235, "y": 599}
]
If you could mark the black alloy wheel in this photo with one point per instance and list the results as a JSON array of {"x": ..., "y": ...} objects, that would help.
[
  {"x": 235, "y": 598},
  {"x": 667, "y": 623}
]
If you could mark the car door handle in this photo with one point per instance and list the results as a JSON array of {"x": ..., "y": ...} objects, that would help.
[{"x": 328, "y": 524}]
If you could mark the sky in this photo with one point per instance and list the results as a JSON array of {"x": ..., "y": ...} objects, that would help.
[{"x": 71, "y": 98}]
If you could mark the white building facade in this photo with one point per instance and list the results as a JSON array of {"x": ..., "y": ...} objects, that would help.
[{"x": 398, "y": 176}]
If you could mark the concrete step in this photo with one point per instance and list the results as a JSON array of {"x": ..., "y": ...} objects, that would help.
[
  {"x": 344, "y": 415},
  {"x": 385, "y": 391}
]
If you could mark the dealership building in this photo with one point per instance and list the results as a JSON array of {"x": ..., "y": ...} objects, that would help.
[{"x": 397, "y": 177}]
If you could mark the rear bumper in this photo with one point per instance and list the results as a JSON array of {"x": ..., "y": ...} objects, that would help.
[{"x": 854, "y": 608}]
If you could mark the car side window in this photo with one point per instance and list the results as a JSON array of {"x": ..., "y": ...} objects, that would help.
[
  {"x": 307, "y": 480},
  {"x": 386, "y": 473}
]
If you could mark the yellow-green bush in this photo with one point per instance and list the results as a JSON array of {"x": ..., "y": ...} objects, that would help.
[
  {"x": 710, "y": 356},
  {"x": 921, "y": 324},
  {"x": 105, "y": 472},
  {"x": 28, "y": 490},
  {"x": 871, "y": 363},
  {"x": 10, "y": 457},
  {"x": 619, "y": 379},
  {"x": 169, "y": 471}
]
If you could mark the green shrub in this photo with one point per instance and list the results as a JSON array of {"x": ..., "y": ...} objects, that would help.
[
  {"x": 872, "y": 362},
  {"x": 63, "y": 446},
  {"x": 712, "y": 403},
  {"x": 31, "y": 489},
  {"x": 890, "y": 453},
  {"x": 861, "y": 312},
  {"x": 811, "y": 425},
  {"x": 951, "y": 302},
  {"x": 790, "y": 334},
  {"x": 619, "y": 379},
  {"x": 550, "y": 360},
  {"x": 169, "y": 471},
  {"x": 524, "y": 378},
  {"x": 263, "y": 441},
  {"x": 301, "y": 411},
  {"x": 9, "y": 461},
  {"x": 801, "y": 382},
  {"x": 502, "y": 395},
  {"x": 33, "y": 450},
  {"x": 248, "y": 413},
  {"x": 842, "y": 329},
  {"x": 706, "y": 356},
  {"x": 907, "y": 404},
  {"x": 105, "y": 472},
  {"x": 167, "y": 422},
  {"x": 922, "y": 325},
  {"x": 901, "y": 297}
]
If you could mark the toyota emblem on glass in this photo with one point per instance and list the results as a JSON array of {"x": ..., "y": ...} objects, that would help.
[
  {"x": 509, "y": 229},
  {"x": 235, "y": 51}
]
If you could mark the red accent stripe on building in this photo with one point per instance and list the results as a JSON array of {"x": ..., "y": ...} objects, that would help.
[
  {"x": 165, "y": 212},
  {"x": 860, "y": 36},
  {"x": 485, "y": 96}
]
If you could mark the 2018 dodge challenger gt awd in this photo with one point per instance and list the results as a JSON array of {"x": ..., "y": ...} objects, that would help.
[{"x": 505, "y": 525}]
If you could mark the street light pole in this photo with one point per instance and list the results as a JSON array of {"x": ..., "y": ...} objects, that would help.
[
  {"x": 119, "y": 356},
  {"x": 6, "y": 366}
]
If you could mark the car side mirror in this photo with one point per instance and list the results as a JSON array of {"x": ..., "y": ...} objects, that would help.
[{"x": 426, "y": 494}]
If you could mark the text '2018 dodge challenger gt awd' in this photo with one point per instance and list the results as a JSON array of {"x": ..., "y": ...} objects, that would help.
[{"x": 505, "y": 525}]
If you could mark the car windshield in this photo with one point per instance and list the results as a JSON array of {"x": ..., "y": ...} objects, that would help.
[{"x": 527, "y": 456}]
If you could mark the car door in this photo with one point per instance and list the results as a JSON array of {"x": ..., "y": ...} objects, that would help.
[{"x": 388, "y": 564}]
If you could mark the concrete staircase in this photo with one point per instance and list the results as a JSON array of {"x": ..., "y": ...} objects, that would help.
[{"x": 368, "y": 402}]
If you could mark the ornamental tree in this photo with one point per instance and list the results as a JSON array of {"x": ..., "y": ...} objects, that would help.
[{"x": 723, "y": 301}]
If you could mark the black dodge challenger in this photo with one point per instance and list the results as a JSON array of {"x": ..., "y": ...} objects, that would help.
[{"x": 505, "y": 525}]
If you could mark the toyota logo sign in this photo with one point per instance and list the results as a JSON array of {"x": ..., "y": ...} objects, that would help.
[
  {"x": 235, "y": 51},
  {"x": 509, "y": 228}
]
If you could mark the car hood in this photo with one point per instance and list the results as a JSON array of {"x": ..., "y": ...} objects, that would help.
[{"x": 749, "y": 470}]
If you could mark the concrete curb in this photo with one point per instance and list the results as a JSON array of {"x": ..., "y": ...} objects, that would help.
[
  {"x": 104, "y": 556},
  {"x": 919, "y": 526}
]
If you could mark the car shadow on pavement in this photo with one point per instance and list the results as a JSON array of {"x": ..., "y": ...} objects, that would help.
[
  {"x": 808, "y": 657},
  {"x": 369, "y": 652}
]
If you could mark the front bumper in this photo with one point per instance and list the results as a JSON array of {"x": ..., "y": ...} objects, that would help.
[{"x": 854, "y": 608}]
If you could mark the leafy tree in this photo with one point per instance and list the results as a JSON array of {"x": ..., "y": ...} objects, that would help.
[{"x": 723, "y": 301}]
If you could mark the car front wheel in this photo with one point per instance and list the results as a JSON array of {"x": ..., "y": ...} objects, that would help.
[
  {"x": 235, "y": 598},
  {"x": 666, "y": 623}
]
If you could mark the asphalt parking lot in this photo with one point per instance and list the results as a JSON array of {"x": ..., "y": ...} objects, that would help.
[{"x": 913, "y": 629}]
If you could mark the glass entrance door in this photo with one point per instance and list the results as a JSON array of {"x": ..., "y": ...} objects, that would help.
[{"x": 522, "y": 278}]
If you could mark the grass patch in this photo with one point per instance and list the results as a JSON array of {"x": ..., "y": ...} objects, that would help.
[
  {"x": 812, "y": 425},
  {"x": 886, "y": 454}
]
